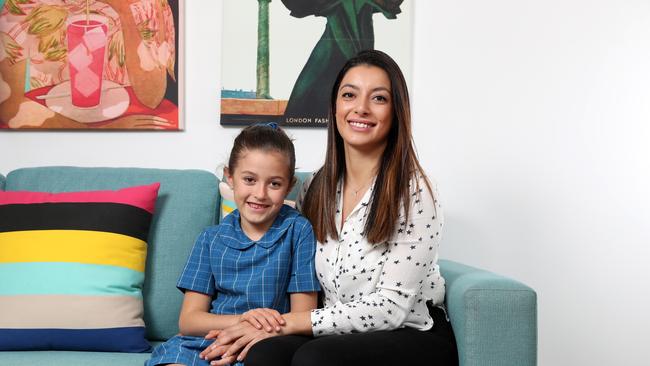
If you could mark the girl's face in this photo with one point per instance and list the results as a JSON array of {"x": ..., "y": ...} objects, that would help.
[
  {"x": 260, "y": 182},
  {"x": 364, "y": 109}
]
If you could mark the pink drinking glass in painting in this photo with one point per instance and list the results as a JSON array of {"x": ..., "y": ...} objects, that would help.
[{"x": 87, "y": 37}]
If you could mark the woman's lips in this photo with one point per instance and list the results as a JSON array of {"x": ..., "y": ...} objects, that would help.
[{"x": 361, "y": 124}]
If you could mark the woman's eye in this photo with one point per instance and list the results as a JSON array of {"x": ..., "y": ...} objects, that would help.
[
  {"x": 347, "y": 95},
  {"x": 381, "y": 98},
  {"x": 249, "y": 180}
]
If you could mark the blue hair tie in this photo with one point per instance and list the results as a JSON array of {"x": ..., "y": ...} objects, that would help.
[{"x": 273, "y": 125}]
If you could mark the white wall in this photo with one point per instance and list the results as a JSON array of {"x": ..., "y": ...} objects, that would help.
[{"x": 535, "y": 119}]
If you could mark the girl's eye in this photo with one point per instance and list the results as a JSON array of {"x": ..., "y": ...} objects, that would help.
[
  {"x": 347, "y": 95},
  {"x": 248, "y": 180},
  {"x": 276, "y": 184},
  {"x": 381, "y": 98}
]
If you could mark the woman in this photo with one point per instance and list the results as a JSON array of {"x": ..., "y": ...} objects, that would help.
[{"x": 376, "y": 257}]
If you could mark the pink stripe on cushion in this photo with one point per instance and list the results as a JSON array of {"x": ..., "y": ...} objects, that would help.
[{"x": 143, "y": 197}]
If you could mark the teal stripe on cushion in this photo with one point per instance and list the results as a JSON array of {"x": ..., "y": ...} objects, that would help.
[{"x": 69, "y": 278}]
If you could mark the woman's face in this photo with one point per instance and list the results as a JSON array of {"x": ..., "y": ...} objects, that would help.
[{"x": 364, "y": 109}]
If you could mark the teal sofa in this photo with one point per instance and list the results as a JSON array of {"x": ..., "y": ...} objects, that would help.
[{"x": 494, "y": 317}]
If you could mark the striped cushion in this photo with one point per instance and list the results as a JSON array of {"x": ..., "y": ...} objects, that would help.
[{"x": 72, "y": 269}]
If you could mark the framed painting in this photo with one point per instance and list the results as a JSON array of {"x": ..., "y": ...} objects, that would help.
[
  {"x": 280, "y": 58},
  {"x": 91, "y": 64}
]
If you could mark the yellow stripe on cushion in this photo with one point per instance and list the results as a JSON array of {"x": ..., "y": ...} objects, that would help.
[{"x": 91, "y": 247}]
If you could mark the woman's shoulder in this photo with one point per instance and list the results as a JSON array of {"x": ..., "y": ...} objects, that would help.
[{"x": 424, "y": 191}]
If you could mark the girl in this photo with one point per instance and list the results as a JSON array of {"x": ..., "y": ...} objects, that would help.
[
  {"x": 257, "y": 263},
  {"x": 377, "y": 221}
]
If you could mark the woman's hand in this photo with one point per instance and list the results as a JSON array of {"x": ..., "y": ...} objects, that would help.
[{"x": 269, "y": 319}]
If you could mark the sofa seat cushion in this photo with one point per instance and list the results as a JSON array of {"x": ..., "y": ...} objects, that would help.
[{"x": 68, "y": 358}]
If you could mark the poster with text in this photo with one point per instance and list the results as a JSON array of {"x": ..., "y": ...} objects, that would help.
[
  {"x": 280, "y": 58},
  {"x": 91, "y": 64}
]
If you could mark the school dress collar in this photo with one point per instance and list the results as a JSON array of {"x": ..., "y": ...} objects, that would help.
[{"x": 237, "y": 239}]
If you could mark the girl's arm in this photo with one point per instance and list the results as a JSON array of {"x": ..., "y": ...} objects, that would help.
[{"x": 196, "y": 319}]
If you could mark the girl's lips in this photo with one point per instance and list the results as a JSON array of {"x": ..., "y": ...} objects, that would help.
[{"x": 256, "y": 206}]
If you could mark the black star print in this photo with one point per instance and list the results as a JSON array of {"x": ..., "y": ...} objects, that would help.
[{"x": 398, "y": 284}]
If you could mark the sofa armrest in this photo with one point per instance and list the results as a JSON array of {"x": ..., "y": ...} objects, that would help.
[{"x": 494, "y": 318}]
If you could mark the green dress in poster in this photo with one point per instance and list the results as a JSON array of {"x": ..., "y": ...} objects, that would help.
[{"x": 349, "y": 29}]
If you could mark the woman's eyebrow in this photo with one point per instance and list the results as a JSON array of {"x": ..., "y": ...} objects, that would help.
[{"x": 357, "y": 88}]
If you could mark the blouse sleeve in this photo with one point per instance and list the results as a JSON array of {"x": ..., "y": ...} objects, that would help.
[{"x": 409, "y": 265}]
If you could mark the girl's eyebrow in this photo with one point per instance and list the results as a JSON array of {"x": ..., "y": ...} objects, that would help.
[{"x": 255, "y": 174}]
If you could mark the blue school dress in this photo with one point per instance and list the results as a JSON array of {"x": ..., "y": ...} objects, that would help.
[{"x": 243, "y": 274}]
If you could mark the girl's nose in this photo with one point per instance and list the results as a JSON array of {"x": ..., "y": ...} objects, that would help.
[{"x": 260, "y": 191}]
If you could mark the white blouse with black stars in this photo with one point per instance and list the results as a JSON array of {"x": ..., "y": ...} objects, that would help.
[{"x": 384, "y": 286}]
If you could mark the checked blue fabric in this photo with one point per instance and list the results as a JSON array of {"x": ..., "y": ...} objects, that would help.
[{"x": 241, "y": 274}]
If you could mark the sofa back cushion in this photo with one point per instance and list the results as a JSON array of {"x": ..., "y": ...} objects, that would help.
[
  {"x": 75, "y": 267},
  {"x": 187, "y": 203}
]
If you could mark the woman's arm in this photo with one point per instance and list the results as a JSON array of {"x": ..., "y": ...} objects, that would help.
[{"x": 195, "y": 318}]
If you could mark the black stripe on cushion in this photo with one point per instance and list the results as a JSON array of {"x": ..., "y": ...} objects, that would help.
[{"x": 92, "y": 216}]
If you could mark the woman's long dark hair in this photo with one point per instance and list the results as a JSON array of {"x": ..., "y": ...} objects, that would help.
[{"x": 398, "y": 166}]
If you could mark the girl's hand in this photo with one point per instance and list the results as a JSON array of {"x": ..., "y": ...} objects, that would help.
[
  {"x": 215, "y": 350},
  {"x": 234, "y": 342},
  {"x": 269, "y": 319}
]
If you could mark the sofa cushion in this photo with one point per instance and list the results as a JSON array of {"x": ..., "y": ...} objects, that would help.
[
  {"x": 187, "y": 203},
  {"x": 76, "y": 262}
]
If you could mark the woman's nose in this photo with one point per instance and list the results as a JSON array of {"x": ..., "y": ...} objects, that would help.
[{"x": 361, "y": 108}]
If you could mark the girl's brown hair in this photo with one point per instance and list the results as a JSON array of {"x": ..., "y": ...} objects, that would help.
[
  {"x": 265, "y": 137},
  {"x": 398, "y": 166}
]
